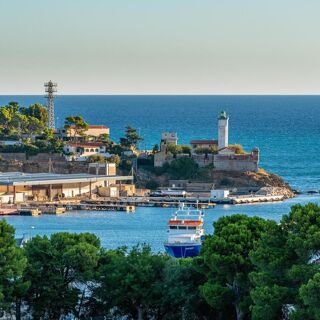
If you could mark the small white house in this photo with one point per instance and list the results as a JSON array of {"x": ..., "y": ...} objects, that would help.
[
  {"x": 219, "y": 194},
  {"x": 169, "y": 137},
  {"x": 82, "y": 151}
]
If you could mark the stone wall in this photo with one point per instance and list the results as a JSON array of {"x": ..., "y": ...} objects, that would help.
[
  {"x": 40, "y": 163},
  {"x": 203, "y": 160},
  {"x": 236, "y": 165}
]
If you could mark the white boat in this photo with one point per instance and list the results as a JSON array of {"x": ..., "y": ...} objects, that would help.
[{"x": 185, "y": 233}]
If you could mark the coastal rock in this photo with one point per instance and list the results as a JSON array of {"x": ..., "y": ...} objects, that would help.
[
  {"x": 249, "y": 182},
  {"x": 261, "y": 182}
]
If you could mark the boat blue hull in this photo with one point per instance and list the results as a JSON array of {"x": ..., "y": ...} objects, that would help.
[{"x": 183, "y": 251}]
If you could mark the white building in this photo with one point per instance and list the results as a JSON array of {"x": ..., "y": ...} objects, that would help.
[
  {"x": 48, "y": 186},
  {"x": 82, "y": 151},
  {"x": 223, "y": 130},
  {"x": 169, "y": 137},
  {"x": 219, "y": 194}
]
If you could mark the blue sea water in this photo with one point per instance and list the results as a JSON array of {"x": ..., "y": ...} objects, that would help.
[
  {"x": 285, "y": 128},
  {"x": 146, "y": 225}
]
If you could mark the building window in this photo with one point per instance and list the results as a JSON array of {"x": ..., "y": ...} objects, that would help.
[{"x": 97, "y": 150}]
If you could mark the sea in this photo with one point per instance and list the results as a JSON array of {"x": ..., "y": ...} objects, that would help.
[{"x": 285, "y": 128}]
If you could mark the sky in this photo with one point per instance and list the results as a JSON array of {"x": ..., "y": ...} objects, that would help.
[{"x": 160, "y": 46}]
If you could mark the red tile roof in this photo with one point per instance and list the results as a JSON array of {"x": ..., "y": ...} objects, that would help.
[
  {"x": 94, "y": 126},
  {"x": 85, "y": 144}
]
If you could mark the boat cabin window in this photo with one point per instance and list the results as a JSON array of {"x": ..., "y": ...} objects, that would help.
[
  {"x": 192, "y": 228},
  {"x": 173, "y": 227},
  {"x": 182, "y": 228}
]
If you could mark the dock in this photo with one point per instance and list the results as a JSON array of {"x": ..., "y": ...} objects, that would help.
[
  {"x": 151, "y": 202},
  {"x": 129, "y": 204},
  {"x": 103, "y": 207},
  {"x": 255, "y": 199}
]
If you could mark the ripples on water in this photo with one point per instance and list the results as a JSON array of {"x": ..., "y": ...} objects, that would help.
[{"x": 147, "y": 225}]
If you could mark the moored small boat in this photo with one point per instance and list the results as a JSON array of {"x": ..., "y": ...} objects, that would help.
[{"x": 29, "y": 212}]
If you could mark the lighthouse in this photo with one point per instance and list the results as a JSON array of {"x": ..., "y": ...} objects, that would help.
[{"x": 223, "y": 128}]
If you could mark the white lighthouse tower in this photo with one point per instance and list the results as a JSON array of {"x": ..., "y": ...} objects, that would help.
[{"x": 223, "y": 130}]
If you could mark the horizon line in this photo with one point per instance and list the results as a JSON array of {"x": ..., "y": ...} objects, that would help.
[{"x": 164, "y": 94}]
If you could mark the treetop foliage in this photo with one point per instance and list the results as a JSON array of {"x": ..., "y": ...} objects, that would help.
[{"x": 249, "y": 268}]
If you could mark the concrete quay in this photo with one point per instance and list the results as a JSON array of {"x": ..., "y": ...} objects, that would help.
[{"x": 129, "y": 204}]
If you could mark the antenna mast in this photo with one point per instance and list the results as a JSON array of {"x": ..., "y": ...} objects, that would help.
[{"x": 51, "y": 90}]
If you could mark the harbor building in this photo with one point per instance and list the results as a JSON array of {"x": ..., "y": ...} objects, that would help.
[{"x": 19, "y": 187}]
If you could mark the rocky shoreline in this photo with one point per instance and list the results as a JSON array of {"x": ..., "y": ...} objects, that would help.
[
  {"x": 259, "y": 183},
  {"x": 262, "y": 181}
]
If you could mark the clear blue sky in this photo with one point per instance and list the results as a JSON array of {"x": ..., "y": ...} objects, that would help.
[{"x": 160, "y": 46}]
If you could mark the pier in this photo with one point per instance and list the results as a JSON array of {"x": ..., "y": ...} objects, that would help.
[
  {"x": 129, "y": 204},
  {"x": 255, "y": 199}
]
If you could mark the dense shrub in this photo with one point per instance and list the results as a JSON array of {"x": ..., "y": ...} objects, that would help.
[
  {"x": 249, "y": 268},
  {"x": 152, "y": 185}
]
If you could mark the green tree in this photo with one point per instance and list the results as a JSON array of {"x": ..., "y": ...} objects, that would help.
[
  {"x": 203, "y": 150},
  {"x": 8, "y": 114},
  {"x": 12, "y": 265},
  {"x": 37, "y": 111},
  {"x": 285, "y": 259},
  {"x": 173, "y": 148},
  {"x": 75, "y": 126},
  {"x": 131, "y": 139},
  {"x": 310, "y": 295},
  {"x": 129, "y": 283},
  {"x": 237, "y": 148},
  {"x": 152, "y": 184},
  {"x": 181, "y": 298},
  {"x": 114, "y": 159},
  {"x": 48, "y": 134},
  {"x": 97, "y": 158},
  {"x": 272, "y": 258},
  {"x": 60, "y": 270},
  {"x": 185, "y": 149},
  {"x": 34, "y": 126},
  {"x": 104, "y": 137},
  {"x": 183, "y": 168},
  {"x": 5, "y": 120},
  {"x": 226, "y": 264},
  {"x": 155, "y": 148}
]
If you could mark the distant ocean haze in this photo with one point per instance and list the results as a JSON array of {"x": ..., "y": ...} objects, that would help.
[{"x": 285, "y": 128}]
